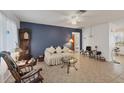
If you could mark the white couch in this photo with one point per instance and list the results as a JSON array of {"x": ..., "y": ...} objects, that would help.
[{"x": 53, "y": 56}]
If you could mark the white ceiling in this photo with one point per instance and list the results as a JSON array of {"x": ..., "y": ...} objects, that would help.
[{"x": 62, "y": 17}]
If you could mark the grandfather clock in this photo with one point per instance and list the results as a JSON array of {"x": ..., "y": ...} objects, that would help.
[{"x": 25, "y": 43}]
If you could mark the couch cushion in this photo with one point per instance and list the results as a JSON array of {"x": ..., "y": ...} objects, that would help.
[
  {"x": 51, "y": 50},
  {"x": 58, "y": 49}
]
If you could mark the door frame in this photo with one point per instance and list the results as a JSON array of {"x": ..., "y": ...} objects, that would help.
[{"x": 73, "y": 37}]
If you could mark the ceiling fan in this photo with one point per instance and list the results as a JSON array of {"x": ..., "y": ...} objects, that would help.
[
  {"x": 73, "y": 18},
  {"x": 76, "y": 17}
]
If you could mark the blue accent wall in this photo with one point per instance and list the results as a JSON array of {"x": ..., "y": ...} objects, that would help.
[{"x": 44, "y": 36}]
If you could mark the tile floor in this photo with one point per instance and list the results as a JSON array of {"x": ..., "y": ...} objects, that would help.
[
  {"x": 89, "y": 71},
  {"x": 120, "y": 59}
]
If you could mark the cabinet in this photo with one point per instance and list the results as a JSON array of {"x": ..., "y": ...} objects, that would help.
[{"x": 25, "y": 43}]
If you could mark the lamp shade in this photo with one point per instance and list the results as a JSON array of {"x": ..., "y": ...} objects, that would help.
[{"x": 71, "y": 40}]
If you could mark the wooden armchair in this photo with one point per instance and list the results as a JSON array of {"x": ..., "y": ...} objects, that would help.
[
  {"x": 26, "y": 66},
  {"x": 31, "y": 76}
]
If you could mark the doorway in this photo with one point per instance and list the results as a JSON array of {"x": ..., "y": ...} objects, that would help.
[
  {"x": 76, "y": 43},
  {"x": 118, "y": 44}
]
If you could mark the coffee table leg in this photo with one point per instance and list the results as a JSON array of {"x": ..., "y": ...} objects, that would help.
[
  {"x": 75, "y": 67},
  {"x": 63, "y": 65},
  {"x": 68, "y": 67}
]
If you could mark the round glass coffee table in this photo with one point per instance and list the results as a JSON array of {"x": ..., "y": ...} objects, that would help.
[{"x": 69, "y": 61}]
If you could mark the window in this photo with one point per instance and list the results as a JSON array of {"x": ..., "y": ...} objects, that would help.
[{"x": 119, "y": 38}]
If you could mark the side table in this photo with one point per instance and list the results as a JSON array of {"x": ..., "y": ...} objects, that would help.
[{"x": 40, "y": 58}]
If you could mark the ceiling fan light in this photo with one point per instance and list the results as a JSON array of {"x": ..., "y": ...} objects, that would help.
[{"x": 74, "y": 22}]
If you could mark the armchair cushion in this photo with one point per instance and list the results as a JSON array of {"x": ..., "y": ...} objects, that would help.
[
  {"x": 31, "y": 73},
  {"x": 33, "y": 76}
]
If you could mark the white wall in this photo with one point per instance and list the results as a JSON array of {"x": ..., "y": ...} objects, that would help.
[
  {"x": 11, "y": 16},
  {"x": 4, "y": 73},
  {"x": 100, "y": 37}
]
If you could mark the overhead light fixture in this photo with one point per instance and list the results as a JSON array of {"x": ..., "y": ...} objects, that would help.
[
  {"x": 74, "y": 22},
  {"x": 74, "y": 19}
]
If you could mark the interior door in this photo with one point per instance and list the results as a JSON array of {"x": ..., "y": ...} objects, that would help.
[{"x": 76, "y": 41}]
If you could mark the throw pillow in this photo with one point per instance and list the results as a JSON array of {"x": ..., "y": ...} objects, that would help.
[{"x": 58, "y": 49}]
